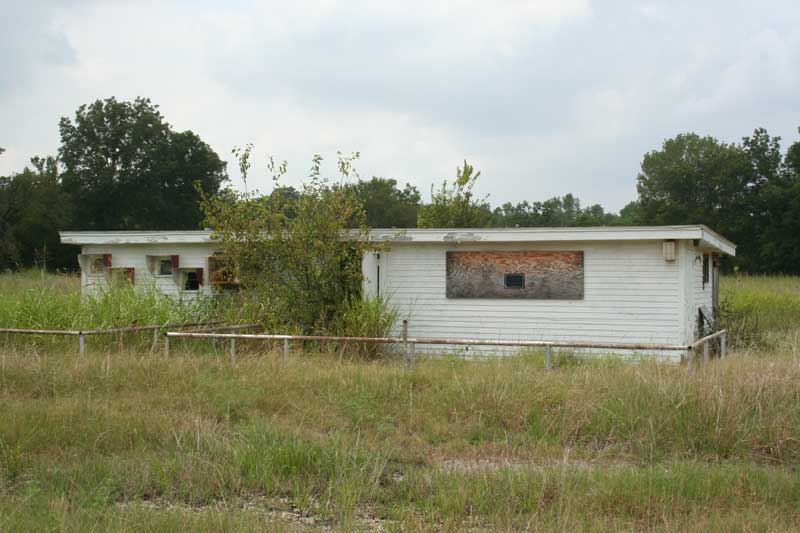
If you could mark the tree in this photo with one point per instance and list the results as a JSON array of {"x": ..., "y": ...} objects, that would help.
[
  {"x": 386, "y": 205},
  {"x": 749, "y": 192},
  {"x": 126, "y": 168},
  {"x": 555, "y": 212},
  {"x": 287, "y": 250},
  {"x": 33, "y": 208},
  {"x": 455, "y": 206}
]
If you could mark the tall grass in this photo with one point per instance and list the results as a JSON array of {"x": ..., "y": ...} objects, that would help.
[
  {"x": 39, "y": 300},
  {"x": 448, "y": 444},
  {"x": 761, "y": 312}
]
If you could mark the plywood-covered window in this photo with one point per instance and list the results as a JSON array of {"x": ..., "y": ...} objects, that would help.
[{"x": 524, "y": 274}]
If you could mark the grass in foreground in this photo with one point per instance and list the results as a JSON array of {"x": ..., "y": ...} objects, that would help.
[{"x": 134, "y": 441}]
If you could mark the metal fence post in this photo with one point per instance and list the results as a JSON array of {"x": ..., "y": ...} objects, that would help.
[
  {"x": 547, "y": 363},
  {"x": 405, "y": 341},
  {"x": 166, "y": 345},
  {"x": 154, "y": 347},
  {"x": 233, "y": 348},
  {"x": 285, "y": 349},
  {"x": 82, "y": 344},
  {"x": 723, "y": 345}
]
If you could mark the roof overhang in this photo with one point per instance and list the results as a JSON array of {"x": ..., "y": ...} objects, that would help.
[
  {"x": 704, "y": 235},
  {"x": 136, "y": 237}
]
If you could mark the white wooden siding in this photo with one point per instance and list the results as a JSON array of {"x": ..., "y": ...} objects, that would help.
[
  {"x": 631, "y": 294},
  {"x": 135, "y": 256}
]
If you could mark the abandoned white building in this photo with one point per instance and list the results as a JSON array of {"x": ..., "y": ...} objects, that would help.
[
  {"x": 179, "y": 263},
  {"x": 599, "y": 284}
]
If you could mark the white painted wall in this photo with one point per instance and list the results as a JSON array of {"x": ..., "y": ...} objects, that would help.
[
  {"x": 135, "y": 255},
  {"x": 631, "y": 294}
]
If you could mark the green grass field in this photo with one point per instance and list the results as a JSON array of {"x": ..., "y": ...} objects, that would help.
[{"x": 128, "y": 440}]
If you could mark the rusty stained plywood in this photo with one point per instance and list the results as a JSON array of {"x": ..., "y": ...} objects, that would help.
[{"x": 548, "y": 275}]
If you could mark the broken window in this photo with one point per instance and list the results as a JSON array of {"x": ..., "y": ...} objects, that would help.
[
  {"x": 165, "y": 267},
  {"x": 192, "y": 282},
  {"x": 514, "y": 281}
]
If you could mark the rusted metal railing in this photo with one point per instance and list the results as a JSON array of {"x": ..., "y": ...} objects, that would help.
[
  {"x": 409, "y": 343},
  {"x": 82, "y": 334}
]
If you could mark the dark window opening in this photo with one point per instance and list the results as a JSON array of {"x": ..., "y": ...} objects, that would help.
[
  {"x": 192, "y": 282},
  {"x": 514, "y": 281},
  {"x": 706, "y": 270},
  {"x": 165, "y": 267}
]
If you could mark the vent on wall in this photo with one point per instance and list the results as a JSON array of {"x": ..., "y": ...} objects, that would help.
[{"x": 668, "y": 249}]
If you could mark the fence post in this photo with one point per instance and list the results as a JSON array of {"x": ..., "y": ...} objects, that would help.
[
  {"x": 154, "y": 347},
  {"x": 723, "y": 345},
  {"x": 285, "y": 349},
  {"x": 166, "y": 345},
  {"x": 233, "y": 348},
  {"x": 706, "y": 354},
  {"x": 82, "y": 344},
  {"x": 405, "y": 341},
  {"x": 547, "y": 363}
]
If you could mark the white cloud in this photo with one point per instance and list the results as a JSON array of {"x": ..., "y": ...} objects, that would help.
[{"x": 546, "y": 97}]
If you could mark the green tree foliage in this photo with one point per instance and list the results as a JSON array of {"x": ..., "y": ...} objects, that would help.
[
  {"x": 555, "y": 212},
  {"x": 386, "y": 205},
  {"x": 287, "y": 250},
  {"x": 126, "y": 168},
  {"x": 32, "y": 209},
  {"x": 749, "y": 192},
  {"x": 456, "y": 206}
]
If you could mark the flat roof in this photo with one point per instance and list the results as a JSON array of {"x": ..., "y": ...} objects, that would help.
[{"x": 699, "y": 232}]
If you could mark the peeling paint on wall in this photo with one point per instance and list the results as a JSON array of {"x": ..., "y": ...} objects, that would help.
[{"x": 546, "y": 275}]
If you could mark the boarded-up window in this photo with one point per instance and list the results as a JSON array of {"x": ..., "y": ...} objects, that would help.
[{"x": 524, "y": 274}]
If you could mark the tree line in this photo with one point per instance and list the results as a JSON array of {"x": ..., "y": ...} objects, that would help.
[{"x": 121, "y": 166}]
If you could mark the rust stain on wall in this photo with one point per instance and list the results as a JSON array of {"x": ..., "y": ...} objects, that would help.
[{"x": 548, "y": 275}]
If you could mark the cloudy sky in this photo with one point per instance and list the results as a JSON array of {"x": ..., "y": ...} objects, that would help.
[{"x": 545, "y": 97}]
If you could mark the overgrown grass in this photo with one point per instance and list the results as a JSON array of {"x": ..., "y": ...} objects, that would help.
[
  {"x": 762, "y": 312},
  {"x": 39, "y": 300},
  {"x": 89, "y": 441}
]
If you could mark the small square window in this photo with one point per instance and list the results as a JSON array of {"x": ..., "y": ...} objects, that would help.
[
  {"x": 165, "y": 267},
  {"x": 514, "y": 281}
]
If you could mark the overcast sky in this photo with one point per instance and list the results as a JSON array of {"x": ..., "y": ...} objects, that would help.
[{"x": 544, "y": 97}]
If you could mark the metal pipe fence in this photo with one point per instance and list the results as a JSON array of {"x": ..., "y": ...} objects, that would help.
[
  {"x": 410, "y": 343},
  {"x": 213, "y": 329},
  {"x": 82, "y": 334}
]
